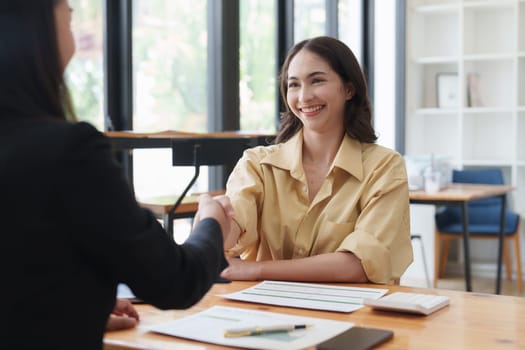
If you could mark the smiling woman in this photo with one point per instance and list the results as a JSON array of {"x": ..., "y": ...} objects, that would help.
[{"x": 325, "y": 203}]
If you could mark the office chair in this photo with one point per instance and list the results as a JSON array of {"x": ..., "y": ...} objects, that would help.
[
  {"x": 194, "y": 152},
  {"x": 483, "y": 222}
]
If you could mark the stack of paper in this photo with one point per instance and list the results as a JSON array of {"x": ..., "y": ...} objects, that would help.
[
  {"x": 308, "y": 295},
  {"x": 210, "y": 326}
]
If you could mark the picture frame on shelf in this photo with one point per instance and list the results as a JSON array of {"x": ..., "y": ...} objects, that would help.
[
  {"x": 447, "y": 90},
  {"x": 473, "y": 90}
]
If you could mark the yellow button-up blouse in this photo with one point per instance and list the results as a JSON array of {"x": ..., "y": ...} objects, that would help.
[{"x": 362, "y": 207}]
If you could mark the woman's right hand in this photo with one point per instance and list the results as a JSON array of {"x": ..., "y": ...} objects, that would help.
[{"x": 218, "y": 208}]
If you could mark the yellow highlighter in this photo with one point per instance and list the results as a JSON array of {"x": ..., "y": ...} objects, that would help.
[{"x": 249, "y": 331}]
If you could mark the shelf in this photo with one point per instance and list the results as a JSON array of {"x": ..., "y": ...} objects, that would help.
[
  {"x": 521, "y": 81},
  {"x": 424, "y": 78},
  {"x": 489, "y": 57},
  {"x": 479, "y": 129},
  {"x": 425, "y": 135},
  {"x": 521, "y": 29},
  {"x": 437, "y": 8},
  {"x": 493, "y": 87},
  {"x": 437, "y": 111},
  {"x": 482, "y": 43},
  {"x": 489, "y": 29},
  {"x": 426, "y": 34},
  {"x": 486, "y": 110},
  {"x": 521, "y": 136},
  {"x": 489, "y": 3},
  {"x": 437, "y": 60}
]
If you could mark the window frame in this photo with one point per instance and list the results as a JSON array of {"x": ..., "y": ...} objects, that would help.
[{"x": 223, "y": 47}]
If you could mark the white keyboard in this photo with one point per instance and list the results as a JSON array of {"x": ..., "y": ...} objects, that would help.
[{"x": 423, "y": 304}]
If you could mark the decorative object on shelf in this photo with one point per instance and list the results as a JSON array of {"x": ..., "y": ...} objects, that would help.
[
  {"x": 447, "y": 90},
  {"x": 473, "y": 90},
  {"x": 418, "y": 166}
]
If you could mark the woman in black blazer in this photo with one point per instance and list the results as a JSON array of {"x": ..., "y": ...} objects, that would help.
[{"x": 70, "y": 227}]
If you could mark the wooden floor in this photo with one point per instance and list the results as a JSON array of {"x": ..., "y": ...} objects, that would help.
[{"x": 480, "y": 285}]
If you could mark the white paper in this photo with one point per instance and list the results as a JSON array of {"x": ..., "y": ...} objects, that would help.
[
  {"x": 308, "y": 295},
  {"x": 209, "y": 326},
  {"x": 124, "y": 292}
]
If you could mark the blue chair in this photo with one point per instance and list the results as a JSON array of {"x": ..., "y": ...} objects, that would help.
[{"x": 483, "y": 220}]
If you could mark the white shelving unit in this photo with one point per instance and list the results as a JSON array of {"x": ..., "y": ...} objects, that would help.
[{"x": 479, "y": 45}]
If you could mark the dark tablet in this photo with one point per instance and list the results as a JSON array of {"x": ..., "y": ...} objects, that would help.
[{"x": 357, "y": 338}]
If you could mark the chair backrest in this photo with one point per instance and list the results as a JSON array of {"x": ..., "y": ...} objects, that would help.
[
  {"x": 482, "y": 211},
  {"x": 480, "y": 176},
  {"x": 487, "y": 210}
]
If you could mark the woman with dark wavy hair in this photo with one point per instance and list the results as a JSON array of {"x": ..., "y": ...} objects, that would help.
[
  {"x": 71, "y": 229},
  {"x": 325, "y": 203}
]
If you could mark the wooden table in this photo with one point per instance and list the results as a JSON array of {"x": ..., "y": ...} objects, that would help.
[
  {"x": 188, "y": 149},
  {"x": 472, "y": 321},
  {"x": 459, "y": 195},
  {"x": 128, "y": 140}
]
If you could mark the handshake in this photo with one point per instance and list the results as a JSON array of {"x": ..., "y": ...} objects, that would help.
[
  {"x": 124, "y": 315},
  {"x": 220, "y": 209}
]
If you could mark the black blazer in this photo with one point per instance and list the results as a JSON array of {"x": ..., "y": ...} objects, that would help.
[{"x": 71, "y": 230}]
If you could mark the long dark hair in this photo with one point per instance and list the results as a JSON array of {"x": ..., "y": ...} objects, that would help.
[
  {"x": 31, "y": 75},
  {"x": 358, "y": 115}
]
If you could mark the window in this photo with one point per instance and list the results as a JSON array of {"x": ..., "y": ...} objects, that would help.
[
  {"x": 169, "y": 58},
  {"x": 351, "y": 26},
  {"x": 385, "y": 77},
  {"x": 258, "y": 77},
  {"x": 309, "y": 19},
  {"x": 169, "y": 82},
  {"x": 84, "y": 74},
  {"x": 170, "y": 71}
]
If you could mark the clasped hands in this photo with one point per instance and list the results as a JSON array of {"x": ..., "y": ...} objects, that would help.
[
  {"x": 124, "y": 315},
  {"x": 221, "y": 209}
]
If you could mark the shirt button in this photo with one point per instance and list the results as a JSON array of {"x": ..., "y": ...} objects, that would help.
[{"x": 305, "y": 189}]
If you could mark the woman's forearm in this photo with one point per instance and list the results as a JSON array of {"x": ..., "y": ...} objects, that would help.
[{"x": 330, "y": 267}]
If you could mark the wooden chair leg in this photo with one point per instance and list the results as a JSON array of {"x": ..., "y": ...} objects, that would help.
[
  {"x": 506, "y": 259},
  {"x": 517, "y": 251},
  {"x": 437, "y": 252},
  {"x": 444, "y": 257}
]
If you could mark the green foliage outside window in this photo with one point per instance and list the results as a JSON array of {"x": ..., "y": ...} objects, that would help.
[
  {"x": 169, "y": 55},
  {"x": 84, "y": 74},
  {"x": 257, "y": 65}
]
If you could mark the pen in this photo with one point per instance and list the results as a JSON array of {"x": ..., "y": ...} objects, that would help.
[{"x": 247, "y": 331}]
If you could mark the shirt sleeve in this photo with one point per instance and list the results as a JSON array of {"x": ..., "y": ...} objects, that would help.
[
  {"x": 125, "y": 243},
  {"x": 381, "y": 239},
  {"x": 245, "y": 189}
]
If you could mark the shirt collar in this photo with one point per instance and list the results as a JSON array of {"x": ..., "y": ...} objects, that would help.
[
  {"x": 288, "y": 156},
  {"x": 350, "y": 157}
]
